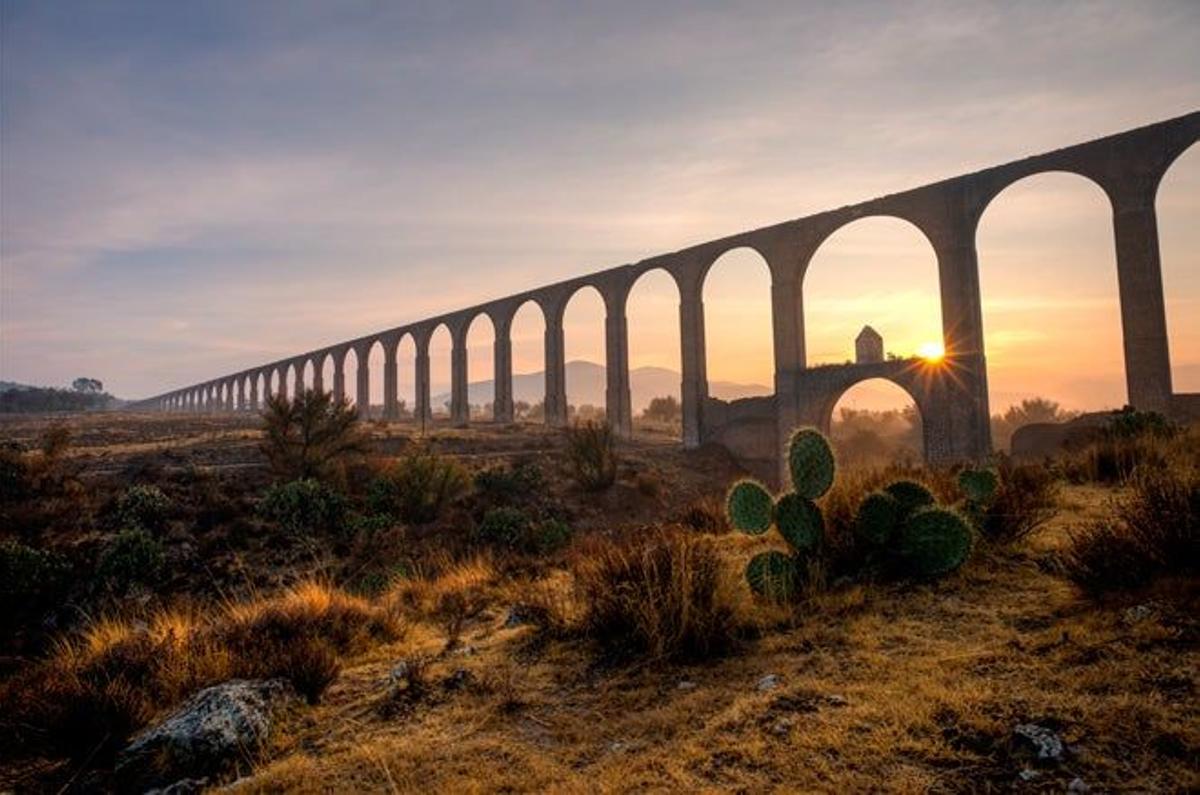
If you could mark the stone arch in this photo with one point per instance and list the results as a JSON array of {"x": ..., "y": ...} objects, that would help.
[
  {"x": 1177, "y": 203},
  {"x": 836, "y": 311},
  {"x": 738, "y": 321},
  {"x": 655, "y": 349},
  {"x": 1038, "y": 292},
  {"x": 584, "y": 310},
  {"x": 481, "y": 366},
  {"x": 1002, "y": 179},
  {"x": 886, "y": 426}
]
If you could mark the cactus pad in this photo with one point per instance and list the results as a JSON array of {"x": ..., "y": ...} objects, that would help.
[
  {"x": 750, "y": 507},
  {"x": 774, "y": 575},
  {"x": 933, "y": 542},
  {"x": 877, "y": 519},
  {"x": 810, "y": 460},
  {"x": 978, "y": 485},
  {"x": 910, "y": 495},
  {"x": 800, "y": 522}
]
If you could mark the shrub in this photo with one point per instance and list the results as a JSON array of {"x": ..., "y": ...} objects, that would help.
[
  {"x": 31, "y": 582},
  {"x": 132, "y": 557},
  {"x": 706, "y": 515},
  {"x": 514, "y": 529},
  {"x": 418, "y": 487},
  {"x": 509, "y": 484},
  {"x": 663, "y": 593},
  {"x": 591, "y": 447},
  {"x": 303, "y": 507},
  {"x": 143, "y": 506},
  {"x": 1025, "y": 498},
  {"x": 1154, "y": 531},
  {"x": 311, "y": 436}
]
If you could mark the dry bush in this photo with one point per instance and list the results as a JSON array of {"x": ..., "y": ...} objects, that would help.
[
  {"x": 1026, "y": 498},
  {"x": 447, "y": 592},
  {"x": 663, "y": 593},
  {"x": 706, "y": 515},
  {"x": 591, "y": 447},
  {"x": 1154, "y": 530},
  {"x": 98, "y": 688},
  {"x": 418, "y": 487}
]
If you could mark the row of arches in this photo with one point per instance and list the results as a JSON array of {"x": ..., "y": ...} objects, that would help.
[{"x": 1047, "y": 271}]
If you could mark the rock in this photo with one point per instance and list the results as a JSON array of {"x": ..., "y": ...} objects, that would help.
[
  {"x": 400, "y": 672},
  {"x": 1138, "y": 613},
  {"x": 685, "y": 685},
  {"x": 213, "y": 729},
  {"x": 1077, "y": 785},
  {"x": 1028, "y": 774},
  {"x": 518, "y": 615},
  {"x": 458, "y": 679},
  {"x": 768, "y": 682},
  {"x": 782, "y": 726},
  {"x": 466, "y": 651},
  {"x": 836, "y": 700},
  {"x": 1032, "y": 740}
]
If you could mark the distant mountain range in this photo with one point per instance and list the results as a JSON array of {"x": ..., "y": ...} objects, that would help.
[{"x": 586, "y": 384}]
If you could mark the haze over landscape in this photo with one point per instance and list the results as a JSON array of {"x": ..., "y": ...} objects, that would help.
[{"x": 192, "y": 190}]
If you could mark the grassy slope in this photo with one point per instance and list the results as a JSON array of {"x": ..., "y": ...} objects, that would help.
[{"x": 933, "y": 679}]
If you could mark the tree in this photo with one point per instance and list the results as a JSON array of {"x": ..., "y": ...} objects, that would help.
[
  {"x": 88, "y": 386},
  {"x": 663, "y": 409},
  {"x": 311, "y": 436}
]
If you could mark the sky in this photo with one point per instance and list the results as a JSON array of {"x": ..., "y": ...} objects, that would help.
[{"x": 191, "y": 189}]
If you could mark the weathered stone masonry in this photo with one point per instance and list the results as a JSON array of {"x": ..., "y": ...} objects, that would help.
[{"x": 952, "y": 398}]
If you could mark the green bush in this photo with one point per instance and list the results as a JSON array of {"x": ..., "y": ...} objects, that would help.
[
  {"x": 591, "y": 447},
  {"x": 143, "y": 506},
  {"x": 303, "y": 507},
  {"x": 30, "y": 579},
  {"x": 418, "y": 487},
  {"x": 509, "y": 484},
  {"x": 311, "y": 436},
  {"x": 133, "y": 556},
  {"x": 514, "y": 529}
]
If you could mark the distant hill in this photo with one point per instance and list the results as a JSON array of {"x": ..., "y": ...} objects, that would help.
[{"x": 586, "y": 384}]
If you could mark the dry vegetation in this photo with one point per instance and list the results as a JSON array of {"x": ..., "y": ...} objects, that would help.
[{"x": 450, "y": 635}]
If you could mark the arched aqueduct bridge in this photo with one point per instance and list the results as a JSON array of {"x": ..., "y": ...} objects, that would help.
[{"x": 952, "y": 397}]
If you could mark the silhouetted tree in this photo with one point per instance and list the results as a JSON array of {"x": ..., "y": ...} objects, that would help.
[
  {"x": 663, "y": 409},
  {"x": 311, "y": 436}
]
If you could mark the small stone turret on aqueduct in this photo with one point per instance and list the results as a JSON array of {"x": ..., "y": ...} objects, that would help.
[{"x": 951, "y": 395}]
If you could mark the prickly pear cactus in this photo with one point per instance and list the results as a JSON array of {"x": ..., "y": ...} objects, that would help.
[
  {"x": 750, "y": 507},
  {"x": 910, "y": 495},
  {"x": 933, "y": 542},
  {"x": 877, "y": 519},
  {"x": 810, "y": 460},
  {"x": 800, "y": 522},
  {"x": 978, "y": 485},
  {"x": 774, "y": 575}
]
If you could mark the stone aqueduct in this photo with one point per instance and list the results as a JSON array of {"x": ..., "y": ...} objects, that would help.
[{"x": 951, "y": 396}]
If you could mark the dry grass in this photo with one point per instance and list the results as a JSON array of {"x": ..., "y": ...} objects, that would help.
[{"x": 97, "y": 688}]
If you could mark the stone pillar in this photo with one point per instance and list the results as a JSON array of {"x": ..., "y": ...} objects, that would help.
[
  {"x": 616, "y": 355},
  {"x": 967, "y": 414},
  {"x": 1143, "y": 314},
  {"x": 391, "y": 402},
  {"x": 423, "y": 411},
  {"x": 319, "y": 374},
  {"x": 282, "y": 386},
  {"x": 460, "y": 408},
  {"x": 693, "y": 388},
  {"x": 362, "y": 397},
  {"x": 241, "y": 394},
  {"x": 339, "y": 376},
  {"x": 556, "y": 381},
  {"x": 298, "y": 386},
  {"x": 254, "y": 405},
  {"x": 502, "y": 401}
]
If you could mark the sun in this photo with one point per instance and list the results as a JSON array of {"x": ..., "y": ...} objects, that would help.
[{"x": 931, "y": 351}]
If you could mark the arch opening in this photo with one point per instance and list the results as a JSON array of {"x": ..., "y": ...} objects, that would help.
[
  {"x": 1051, "y": 307},
  {"x": 584, "y": 354},
  {"x": 528, "y": 336},
  {"x": 879, "y": 272},
  {"x": 481, "y": 368},
  {"x": 441, "y": 345},
  {"x": 1178, "y": 210},
  {"x": 406, "y": 382},
  {"x": 375, "y": 379},
  {"x": 738, "y": 330},
  {"x": 349, "y": 370},
  {"x": 652, "y": 318},
  {"x": 874, "y": 423}
]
